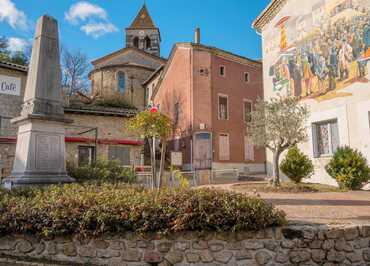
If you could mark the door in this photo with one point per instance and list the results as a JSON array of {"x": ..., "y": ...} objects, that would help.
[{"x": 202, "y": 150}]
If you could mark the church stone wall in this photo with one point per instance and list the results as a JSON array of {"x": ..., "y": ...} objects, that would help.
[{"x": 105, "y": 83}]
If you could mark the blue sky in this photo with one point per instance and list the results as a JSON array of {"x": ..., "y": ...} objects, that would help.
[{"x": 96, "y": 26}]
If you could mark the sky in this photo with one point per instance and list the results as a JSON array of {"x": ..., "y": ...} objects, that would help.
[{"x": 97, "y": 26}]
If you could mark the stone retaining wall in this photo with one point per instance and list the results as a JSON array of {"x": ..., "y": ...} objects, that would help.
[{"x": 291, "y": 245}]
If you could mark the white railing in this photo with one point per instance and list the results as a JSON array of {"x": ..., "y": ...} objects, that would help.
[{"x": 224, "y": 175}]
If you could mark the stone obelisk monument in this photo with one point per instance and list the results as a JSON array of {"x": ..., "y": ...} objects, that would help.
[{"x": 40, "y": 151}]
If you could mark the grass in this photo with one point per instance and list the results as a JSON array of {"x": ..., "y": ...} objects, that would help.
[{"x": 286, "y": 187}]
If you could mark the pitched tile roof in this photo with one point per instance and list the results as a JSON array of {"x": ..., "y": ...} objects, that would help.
[
  {"x": 143, "y": 20},
  {"x": 13, "y": 66}
]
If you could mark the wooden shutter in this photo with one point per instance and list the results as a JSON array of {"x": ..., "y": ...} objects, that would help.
[
  {"x": 315, "y": 144},
  {"x": 334, "y": 132},
  {"x": 224, "y": 147},
  {"x": 248, "y": 149}
]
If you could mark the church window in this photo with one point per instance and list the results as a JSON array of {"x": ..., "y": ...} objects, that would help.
[
  {"x": 136, "y": 42},
  {"x": 147, "y": 42},
  {"x": 121, "y": 82}
]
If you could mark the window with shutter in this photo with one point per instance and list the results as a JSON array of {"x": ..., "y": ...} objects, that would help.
[
  {"x": 122, "y": 154},
  {"x": 224, "y": 147},
  {"x": 223, "y": 112},
  {"x": 86, "y": 155},
  {"x": 325, "y": 138},
  {"x": 248, "y": 149}
]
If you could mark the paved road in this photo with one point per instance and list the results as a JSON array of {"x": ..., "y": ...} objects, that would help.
[{"x": 328, "y": 208}]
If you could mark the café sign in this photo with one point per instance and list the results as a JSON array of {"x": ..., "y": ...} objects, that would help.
[{"x": 10, "y": 85}]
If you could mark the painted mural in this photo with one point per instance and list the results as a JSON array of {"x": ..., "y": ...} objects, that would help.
[{"x": 322, "y": 52}]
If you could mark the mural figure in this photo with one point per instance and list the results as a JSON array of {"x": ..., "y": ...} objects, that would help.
[{"x": 330, "y": 52}]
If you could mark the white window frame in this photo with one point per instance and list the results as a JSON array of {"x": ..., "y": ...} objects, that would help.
[
  {"x": 219, "y": 71},
  {"x": 248, "y": 101},
  {"x": 227, "y": 106},
  {"x": 249, "y": 77},
  {"x": 328, "y": 124},
  {"x": 219, "y": 145}
]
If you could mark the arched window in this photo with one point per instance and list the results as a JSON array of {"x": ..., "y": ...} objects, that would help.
[
  {"x": 121, "y": 82},
  {"x": 147, "y": 42},
  {"x": 136, "y": 42}
]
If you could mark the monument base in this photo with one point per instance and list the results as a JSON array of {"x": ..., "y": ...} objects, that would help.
[
  {"x": 24, "y": 180},
  {"x": 40, "y": 153}
]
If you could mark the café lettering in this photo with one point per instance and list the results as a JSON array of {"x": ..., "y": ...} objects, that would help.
[{"x": 9, "y": 85}]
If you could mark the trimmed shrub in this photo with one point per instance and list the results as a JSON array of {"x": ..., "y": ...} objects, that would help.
[
  {"x": 349, "y": 167},
  {"x": 90, "y": 210},
  {"x": 102, "y": 171},
  {"x": 296, "y": 165}
]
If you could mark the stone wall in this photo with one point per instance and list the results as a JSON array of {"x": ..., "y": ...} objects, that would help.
[{"x": 291, "y": 245}]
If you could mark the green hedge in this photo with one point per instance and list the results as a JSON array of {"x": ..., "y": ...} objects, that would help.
[
  {"x": 102, "y": 171},
  {"x": 91, "y": 210}
]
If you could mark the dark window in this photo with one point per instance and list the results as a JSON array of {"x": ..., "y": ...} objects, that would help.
[
  {"x": 246, "y": 77},
  {"x": 147, "y": 42},
  {"x": 86, "y": 155},
  {"x": 222, "y": 71},
  {"x": 122, "y": 154},
  {"x": 177, "y": 113},
  {"x": 6, "y": 127},
  {"x": 121, "y": 82},
  {"x": 136, "y": 42},
  {"x": 325, "y": 138},
  {"x": 247, "y": 111},
  {"x": 223, "y": 112}
]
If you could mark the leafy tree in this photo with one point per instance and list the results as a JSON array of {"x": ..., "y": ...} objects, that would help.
[
  {"x": 20, "y": 58},
  {"x": 4, "y": 52},
  {"x": 153, "y": 125},
  {"x": 75, "y": 67},
  {"x": 296, "y": 165},
  {"x": 17, "y": 57},
  {"x": 349, "y": 167},
  {"x": 277, "y": 125}
]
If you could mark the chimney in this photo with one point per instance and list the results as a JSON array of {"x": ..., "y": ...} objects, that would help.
[{"x": 197, "y": 35}]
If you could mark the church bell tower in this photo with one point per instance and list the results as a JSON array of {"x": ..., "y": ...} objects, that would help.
[{"x": 143, "y": 33}]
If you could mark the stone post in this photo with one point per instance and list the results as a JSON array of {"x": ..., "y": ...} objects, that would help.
[{"x": 40, "y": 150}]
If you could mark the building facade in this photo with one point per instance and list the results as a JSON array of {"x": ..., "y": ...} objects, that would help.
[
  {"x": 12, "y": 85},
  {"x": 95, "y": 132},
  {"x": 209, "y": 93},
  {"x": 319, "y": 51},
  {"x": 121, "y": 73}
]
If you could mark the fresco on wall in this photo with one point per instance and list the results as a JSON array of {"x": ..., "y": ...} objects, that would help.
[{"x": 324, "y": 51}]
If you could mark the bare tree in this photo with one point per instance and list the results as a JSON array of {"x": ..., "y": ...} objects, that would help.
[
  {"x": 75, "y": 67},
  {"x": 278, "y": 124}
]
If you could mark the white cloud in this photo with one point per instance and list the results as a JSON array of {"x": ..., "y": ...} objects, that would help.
[
  {"x": 93, "y": 18},
  {"x": 98, "y": 29},
  {"x": 83, "y": 10},
  {"x": 10, "y": 14},
  {"x": 17, "y": 44}
]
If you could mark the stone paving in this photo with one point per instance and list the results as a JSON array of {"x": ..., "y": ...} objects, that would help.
[{"x": 326, "y": 208}]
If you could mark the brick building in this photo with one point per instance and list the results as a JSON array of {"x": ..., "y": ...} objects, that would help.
[{"x": 208, "y": 93}]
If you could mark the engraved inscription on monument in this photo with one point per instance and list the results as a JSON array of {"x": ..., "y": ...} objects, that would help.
[{"x": 47, "y": 150}]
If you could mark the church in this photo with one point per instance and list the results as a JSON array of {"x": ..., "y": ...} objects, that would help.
[{"x": 122, "y": 73}]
